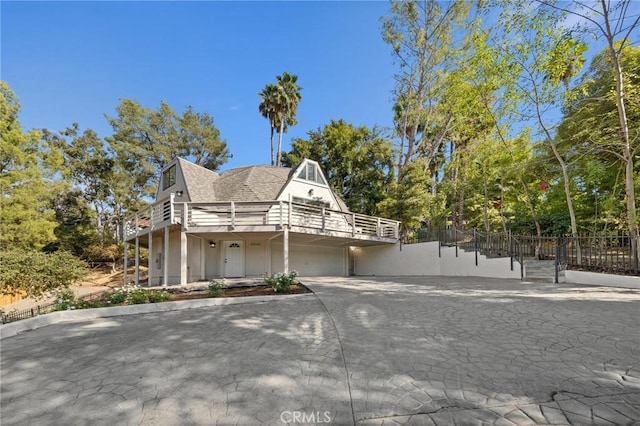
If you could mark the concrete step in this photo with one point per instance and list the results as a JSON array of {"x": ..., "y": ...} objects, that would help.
[{"x": 540, "y": 270}]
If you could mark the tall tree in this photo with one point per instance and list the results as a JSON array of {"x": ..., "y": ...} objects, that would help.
[
  {"x": 145, "y": 140},
  {"x": 27, "y": 185},
  {"x": 268, "y": 109},
  {"x": 614, "y": 22},
  {"x": 357, "y": 161},
  {"x": 421, "y": 34},
  {"x": 539, "y": 56},
  {"x": 591, "y": 121},
  {"x": 288, "y": 98}
]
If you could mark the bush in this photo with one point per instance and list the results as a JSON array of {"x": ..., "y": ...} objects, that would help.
[
  {"x": 65, "y": 300},
  {"x": 35, "y": 273},
  {"x": 137, "y": 296},
  {"x": 116, "y": 297},
  {"x": 281, "y": 282},
  {"x": 215, "y": 289},
  {"x": 156, "y": 296}
]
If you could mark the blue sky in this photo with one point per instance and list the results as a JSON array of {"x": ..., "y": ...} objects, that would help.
[{"x": 74, "y": 61}]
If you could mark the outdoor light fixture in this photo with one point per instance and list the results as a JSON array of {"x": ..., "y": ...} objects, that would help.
[
  {"x": 212, "y": 244},
  {"x": 311, "y": 193},
  {"x": 178, "y": 193}
]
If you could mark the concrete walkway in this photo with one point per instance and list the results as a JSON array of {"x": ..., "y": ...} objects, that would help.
[{"x": 423, "y": 350}]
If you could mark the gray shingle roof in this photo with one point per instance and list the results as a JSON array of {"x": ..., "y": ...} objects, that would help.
[
  {"x": 198, "y": 181},
  {"x": 250, "y": 183}
]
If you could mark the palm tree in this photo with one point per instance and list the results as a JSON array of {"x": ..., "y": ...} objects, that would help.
[
  {"x": 288, "y": 98},
  {"x": 268, "y": 108}
]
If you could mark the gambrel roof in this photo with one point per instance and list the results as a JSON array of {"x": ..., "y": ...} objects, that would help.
[{"x": 250, "y": 183}]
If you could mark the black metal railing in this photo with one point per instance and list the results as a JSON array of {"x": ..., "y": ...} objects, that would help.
[
  {"x": 607, "y": 254},
  {"x": 17, "y": 315}
]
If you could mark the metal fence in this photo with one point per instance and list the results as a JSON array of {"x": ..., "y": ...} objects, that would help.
[
  {"x": 17, "y": 315},
  {"x": 607, "y": 254},
  {"x": 595, "y": 253}
]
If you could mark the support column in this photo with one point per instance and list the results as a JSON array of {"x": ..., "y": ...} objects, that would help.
[
  {"x": 267, "y": 257},
  {"x": 126, "y": 261},
  {"x": 285, "y": 249},
  {"x": 203, "y": 260},
  {"x": 165, "y": 257},
  {"x": 137, "y": 257},
  {"x": 183, "y": 257},
  {"x": 150, "y": 258}
]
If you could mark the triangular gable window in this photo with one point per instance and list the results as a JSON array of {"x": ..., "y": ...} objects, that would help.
[{"x": 311, "y": 172}]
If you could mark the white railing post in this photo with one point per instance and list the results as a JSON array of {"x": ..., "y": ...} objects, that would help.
[
  {"x": 233, "y": 215},
  {"x": 185, "y": 216},
  {"x": 171, "y": 212},
  {"x": 126, "y": 263},
  {"x": 353, "y": 224},
  {"x": 137, "y": 226},
  {"x": 289, "y": 212},
  {"x": 378, "y": 228},
  {"x": 281, "y": 213},
  {"x": 323, "y": 219}
]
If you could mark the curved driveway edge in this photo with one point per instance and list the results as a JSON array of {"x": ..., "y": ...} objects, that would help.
[
  {"x": 11, "y": 329},
  {"x": 362, "y": 351}
]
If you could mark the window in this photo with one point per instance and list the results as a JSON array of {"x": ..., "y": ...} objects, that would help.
[
  {"x": 169, "y": 177},
  {"x": 311, "y": 172},
  {"x": 317, "y": 203}
]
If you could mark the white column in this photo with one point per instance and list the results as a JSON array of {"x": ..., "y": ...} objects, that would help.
[
  {"x": 165, "y": 257},
  {"x": 126, "y": 260},
  {"x": 183, "y": 246},
  {"x": 150, "y": 259},
  {"x": 183, "y": 257},
  {"x": 267, "y": 257},
  {"x": 203, "y": 259},
  {"x": 285, "y": 249},
  {"x": 137, "y": 257}
]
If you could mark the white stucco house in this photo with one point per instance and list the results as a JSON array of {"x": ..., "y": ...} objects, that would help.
[{"x": 249, "y": 222}]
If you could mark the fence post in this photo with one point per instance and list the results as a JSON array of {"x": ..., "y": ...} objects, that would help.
[
  {"x": 636, "y": 255},
  {"x": 475, "y": 243},
  {"x": 557, "y": 262}
]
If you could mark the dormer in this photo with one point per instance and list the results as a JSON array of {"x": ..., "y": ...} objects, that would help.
[{"x": 308, "y": 185}]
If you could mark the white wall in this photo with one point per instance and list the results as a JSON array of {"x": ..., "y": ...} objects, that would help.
[
  {"x": 607, "y": 280},
  {"x": 212, "y": 260},
  {"x": 414, "y": 259},
  {"x": 255, "y": 258},
  {"x": 422, "y": 259},
  {"x": 178, "y": 186},
  {"x": 310, "y": 260}
]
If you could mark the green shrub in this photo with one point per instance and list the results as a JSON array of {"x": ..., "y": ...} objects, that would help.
[
  {"x": 215, "y": 289},
  {"x": 281, "y": 282},
  {"x": 65, "y": 300},
  {"x": 116, "y": 297},
  {"x": 156, "y": 296},
  {"x": 137, "y": 296},
  {"x": 35, "y": 273}
]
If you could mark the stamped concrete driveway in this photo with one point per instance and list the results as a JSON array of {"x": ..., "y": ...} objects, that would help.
[{"x": 427, "y": 350}]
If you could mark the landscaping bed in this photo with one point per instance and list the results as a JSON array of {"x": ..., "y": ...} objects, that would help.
[
  {"x": 258, "y": 290},
  {"x": 279, "y": 284}
]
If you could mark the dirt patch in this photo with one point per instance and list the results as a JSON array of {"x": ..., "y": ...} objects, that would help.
[
  {"x": 103, "y": 275},
  {"x": 260, "y": 290}
]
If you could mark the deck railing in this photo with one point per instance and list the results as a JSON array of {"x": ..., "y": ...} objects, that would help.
[{"x": 255, "y": 214}]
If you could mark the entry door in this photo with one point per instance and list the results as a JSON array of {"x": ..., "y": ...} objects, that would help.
[{"x": 233, "y": 259}]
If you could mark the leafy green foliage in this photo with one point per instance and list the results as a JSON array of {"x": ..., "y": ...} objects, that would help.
[
  {"x": 357, "y": 161},
  {"x": 279, "y": 104},
  {"x": 215, "y": 289},
  {"x": 282, "y": 282},
  {"x": 27, "y": 166},
  {"x": 36, "y": 273}
]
